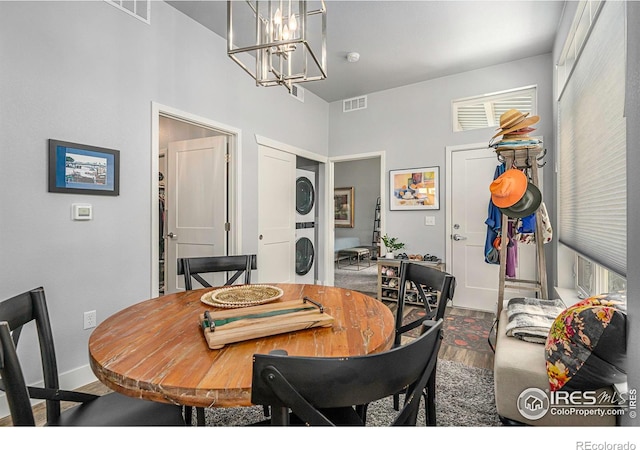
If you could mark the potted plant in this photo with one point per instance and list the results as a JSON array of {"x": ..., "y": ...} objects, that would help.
[{"x": 391, "y": 244}]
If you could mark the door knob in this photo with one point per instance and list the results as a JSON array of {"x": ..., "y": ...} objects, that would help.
[
  {"x": 457, "y": 237},
  {"x": 172, "y": 235}
]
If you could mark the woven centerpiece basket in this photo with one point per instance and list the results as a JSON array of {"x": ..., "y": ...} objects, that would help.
[{"x": 242, "y": 296}]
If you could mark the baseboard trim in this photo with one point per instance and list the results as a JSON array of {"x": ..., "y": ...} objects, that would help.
[{"x": 73, "y": 379}]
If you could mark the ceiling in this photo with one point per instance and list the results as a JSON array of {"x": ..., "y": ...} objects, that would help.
[{"x": 405, "y": 42}]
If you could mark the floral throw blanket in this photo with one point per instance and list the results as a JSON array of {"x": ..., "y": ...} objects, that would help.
[{"x": 530, "y": 319}]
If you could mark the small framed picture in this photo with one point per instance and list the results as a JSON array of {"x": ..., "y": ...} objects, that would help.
[
  {"x": 343, "y": 207},
  {"x": 83, "y": 169},
  {"x": 417, "y": 188}
]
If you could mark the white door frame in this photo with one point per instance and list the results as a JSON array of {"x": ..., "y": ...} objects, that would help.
[
  {"x": 330, "y": 237},
  {"x": 327, "y": 193},
  {"x": 234, "y": 136}
]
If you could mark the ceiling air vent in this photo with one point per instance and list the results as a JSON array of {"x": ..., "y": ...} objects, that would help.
[
  {"x": 297, "y": 92},
  {"x": 354, "y": 104}
]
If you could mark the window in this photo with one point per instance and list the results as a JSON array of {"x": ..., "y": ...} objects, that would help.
[
  {"x": 485, "y": 110},
  {"x": 585, "y": 276},
  {"x": 592, "y": 147},
  {"x": 140, "y": 9},
  {"x": 593, "y": 279},
  {"x": 584, "y": 19}
]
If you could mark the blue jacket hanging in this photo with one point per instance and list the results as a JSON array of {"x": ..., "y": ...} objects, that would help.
[{"x": 494, "y": 224}]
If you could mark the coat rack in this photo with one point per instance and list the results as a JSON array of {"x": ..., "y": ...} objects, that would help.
[{"x": 527, "y": 159}]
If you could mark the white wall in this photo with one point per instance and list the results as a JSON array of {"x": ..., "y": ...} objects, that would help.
[
  {"x": 86, "y": 72},
  {"x": 413, "y": 125}
]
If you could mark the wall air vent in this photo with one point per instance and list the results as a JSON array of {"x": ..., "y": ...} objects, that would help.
[
  {"x": 354, "y": 104},
  {"x": 484, "y": 111},
  {"x": 140, "y": 9},
  {"x": 297, "y": 92}
]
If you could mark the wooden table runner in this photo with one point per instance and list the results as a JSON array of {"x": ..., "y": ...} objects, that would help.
[{"x": 294, "y": 315}]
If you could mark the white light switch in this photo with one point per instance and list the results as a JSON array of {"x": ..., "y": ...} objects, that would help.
[
  {"x": 81, "y": 211},
  {"x": 429, "y": 220}
]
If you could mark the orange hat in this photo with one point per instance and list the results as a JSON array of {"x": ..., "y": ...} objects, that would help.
[
  {"x": 513, "y": 120},
  {"x": 508, "y": 188}
]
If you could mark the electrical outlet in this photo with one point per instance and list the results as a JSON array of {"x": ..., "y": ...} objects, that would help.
[
  {"x": 429, "y": 220},
  {"x": 89, "y": 319}
]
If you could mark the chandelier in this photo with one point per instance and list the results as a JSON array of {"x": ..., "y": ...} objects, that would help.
[{"x": 273, "y": 36}]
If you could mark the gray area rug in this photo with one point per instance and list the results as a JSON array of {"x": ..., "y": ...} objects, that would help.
[
  {"x": 464, "y": 398},
  {"x": 365, "y": 280}
]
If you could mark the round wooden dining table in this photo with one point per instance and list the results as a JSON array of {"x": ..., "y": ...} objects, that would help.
[{"x": 156, "y": 349}]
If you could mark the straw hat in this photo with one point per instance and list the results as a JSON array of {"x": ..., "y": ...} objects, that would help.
[
  {"x": 520, "y": 132},
  {"x": 527, "y": 205},
  {"x": 512, "y": 120},
  {"x": 508, "y": 188}
]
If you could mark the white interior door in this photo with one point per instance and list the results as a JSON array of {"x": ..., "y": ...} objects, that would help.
[
  {"x": 472, "y": 172},
  {"x": 477, "y": 281},
  {"x": 276, "y": 215},
  {"x": 196, "y": 205}
]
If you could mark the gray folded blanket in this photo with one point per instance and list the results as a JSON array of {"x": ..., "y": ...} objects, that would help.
[{"x": 530, "y": 319}]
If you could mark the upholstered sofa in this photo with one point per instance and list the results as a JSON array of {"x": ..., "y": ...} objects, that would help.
[{"x": 521, "y": 365}]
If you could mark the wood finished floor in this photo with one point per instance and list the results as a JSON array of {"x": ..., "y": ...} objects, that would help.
[{"x": 470, "y": 358}]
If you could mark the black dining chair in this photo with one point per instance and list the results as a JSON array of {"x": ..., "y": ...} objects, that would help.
[
  {"x": 194, "y": 268},
  {"x": 111, "y": 409},
  {"x": 432, "y": 288},
  {"x": 331, "y": 391}
]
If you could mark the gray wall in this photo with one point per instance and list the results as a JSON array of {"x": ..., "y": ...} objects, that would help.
[
  {"x": 633, "y": 202},
  {"x": 364, "y": 176},
  {"x": 413, "y": 125},
  {"x": 86, "y": 72}
]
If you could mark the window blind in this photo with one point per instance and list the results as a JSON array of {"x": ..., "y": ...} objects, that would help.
[{"x": 592, "y": 146}]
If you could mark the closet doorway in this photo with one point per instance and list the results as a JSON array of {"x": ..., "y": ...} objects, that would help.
[{"x": 194, "y": 198}]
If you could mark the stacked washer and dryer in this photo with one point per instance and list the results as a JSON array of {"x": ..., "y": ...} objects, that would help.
[{"x": 305, "y": 226}]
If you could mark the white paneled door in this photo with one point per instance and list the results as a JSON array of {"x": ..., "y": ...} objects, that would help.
[
  {"x": 196, "y": 204},
  {"x": 477, "y": 281},
  {"x": 472, "y": 171},
  {"x": 276, "y": 215}
]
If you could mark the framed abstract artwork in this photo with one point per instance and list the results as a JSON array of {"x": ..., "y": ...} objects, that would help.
[{"x": 417, "y": 188}]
